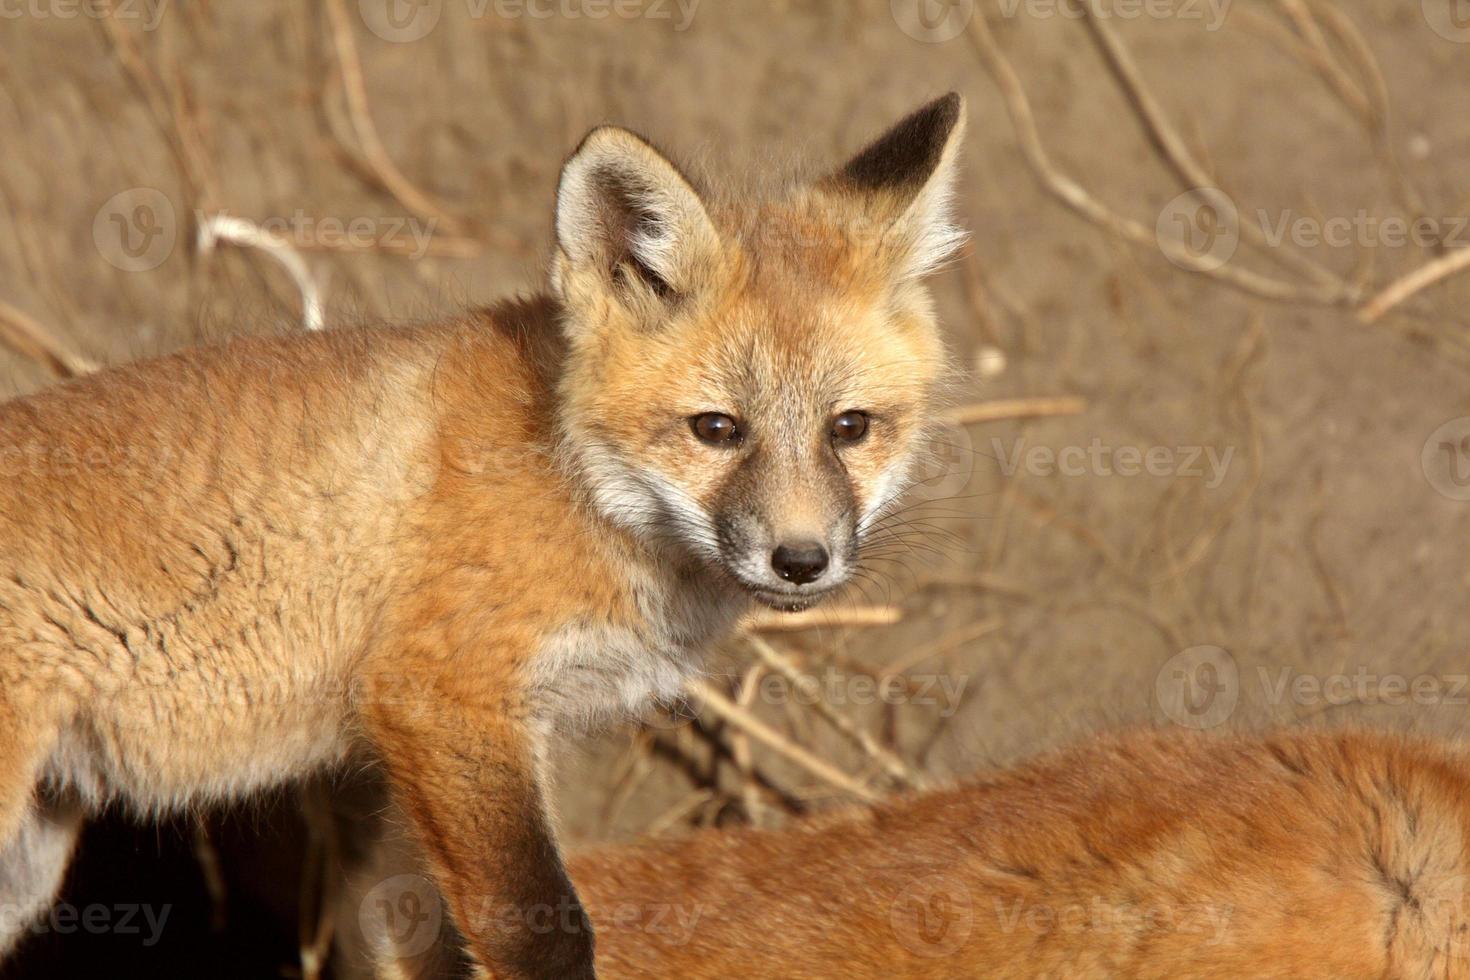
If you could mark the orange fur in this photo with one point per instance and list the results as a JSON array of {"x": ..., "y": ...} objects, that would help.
[
  {"x": 443, "y": 545},
  {"x": 1155, "y": 855}
]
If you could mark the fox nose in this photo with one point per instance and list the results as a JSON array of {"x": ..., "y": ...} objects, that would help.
[{"x": 800, "y": 562}]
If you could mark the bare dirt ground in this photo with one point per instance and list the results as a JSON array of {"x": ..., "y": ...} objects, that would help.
[{"x": 1258, "y": 515}]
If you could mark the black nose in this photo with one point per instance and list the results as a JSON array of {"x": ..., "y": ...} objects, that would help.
[{"x": 802, "y": 562}]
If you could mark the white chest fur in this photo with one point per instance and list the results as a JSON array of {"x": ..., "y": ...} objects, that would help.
[{"x": 589, "y": 674}]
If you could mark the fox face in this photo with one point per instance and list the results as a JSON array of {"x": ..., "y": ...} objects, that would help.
[{"x": 751, "y": 381}]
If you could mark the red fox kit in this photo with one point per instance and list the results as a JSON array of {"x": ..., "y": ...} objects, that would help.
[
  {"x": 447, "y": 544},
  {"x": 1152, "y": 856}
]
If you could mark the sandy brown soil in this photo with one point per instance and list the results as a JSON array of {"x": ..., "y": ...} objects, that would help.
[{"x": 1320, "y": 555}]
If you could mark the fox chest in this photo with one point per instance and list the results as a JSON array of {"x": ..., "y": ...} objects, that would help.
[{"x": 589, "y": 673}]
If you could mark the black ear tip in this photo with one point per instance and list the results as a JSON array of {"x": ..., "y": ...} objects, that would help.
[
  {"x": 911, "y": 150},
  {"x": 946, "y": 110}
]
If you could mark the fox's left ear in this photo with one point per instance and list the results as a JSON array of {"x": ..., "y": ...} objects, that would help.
[
  {"x": 629, "y": 225},
  {"x": 905, "y": 180}
]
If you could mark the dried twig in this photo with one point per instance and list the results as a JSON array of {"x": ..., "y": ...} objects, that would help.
[
  {"x": 735, "y": 716},
  {"x": 25, "y": 336},
  {"x": 164, "y": 104},
  {"x": 1171, "y": 146},
  {"x": 750, "y": 794},
  {"x": 1014, "y": 408},
  {"x": 1074, "y": 196},
  {"x": 1248, "y": 353},
  {"x": 693, "y": 801},
  {"x": 375, "y": 155},
  {"x": 766, "y": 621},
  {"x": 889, "y": 761},
  {"x": 238, "y": 231},
  {"x": 1407, "y": 285}
]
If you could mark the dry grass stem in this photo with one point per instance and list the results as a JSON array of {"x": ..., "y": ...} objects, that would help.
[
  {"x": 889, "y": 761},
  {"x": 735, "y": 716},
  {"x": 1005, "y": 409},
  {"x": 769, "y": 621},
  {"x": 27, "y": 337},
  {"x": 370, "y": 143},
  {"x": 247, "y": 234}
]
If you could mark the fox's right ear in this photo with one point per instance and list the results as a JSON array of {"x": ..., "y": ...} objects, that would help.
[
  {"x": 627, "y": 221},
  {"x": 905, "y": 178}
]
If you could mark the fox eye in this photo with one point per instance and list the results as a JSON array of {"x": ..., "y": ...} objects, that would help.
[
  {"x": 850, "y": 426},
  {"x": 714, "y": 428}
]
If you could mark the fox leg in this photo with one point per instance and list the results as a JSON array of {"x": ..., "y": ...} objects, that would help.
[
  {"x": 37, "y": 830},
  {"x": 33, "y": 865},
  {"x": 466, "y": 775}
]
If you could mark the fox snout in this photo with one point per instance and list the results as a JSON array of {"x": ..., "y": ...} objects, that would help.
[{"x": 788, "y": 557}]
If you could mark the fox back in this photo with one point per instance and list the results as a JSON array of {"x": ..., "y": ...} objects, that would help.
[
  {"x": 1153, "y": 855},
  {"x": 1156, "y": 855}
]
